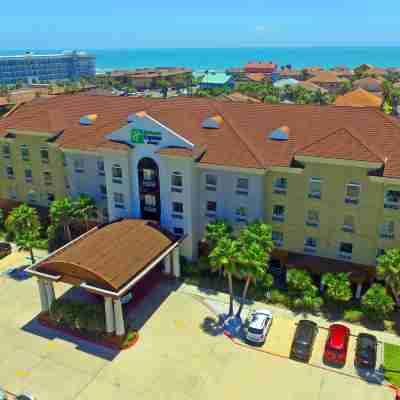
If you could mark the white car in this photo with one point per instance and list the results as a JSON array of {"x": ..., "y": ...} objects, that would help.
[{"x": 259, "y": 323}]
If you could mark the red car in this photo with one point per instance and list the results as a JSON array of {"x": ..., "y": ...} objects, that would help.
[{"x": 336, "y": 345}]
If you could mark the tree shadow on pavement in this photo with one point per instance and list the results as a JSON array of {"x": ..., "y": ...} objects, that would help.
[{"x": 213, "y": 326}]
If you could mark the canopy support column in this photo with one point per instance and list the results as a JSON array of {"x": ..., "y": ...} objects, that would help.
[
  {"x": 176, "y": 262},
  {"x": 43, "y": 295},
  {"x": 119, "y": 318},
  {"x": 109, "y": 315}
]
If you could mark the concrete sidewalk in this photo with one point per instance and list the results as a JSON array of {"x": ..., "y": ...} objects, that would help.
[{"x": 218, "y": 303}]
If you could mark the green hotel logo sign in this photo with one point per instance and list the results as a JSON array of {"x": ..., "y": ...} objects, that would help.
[{"x": 141, "y": 136}]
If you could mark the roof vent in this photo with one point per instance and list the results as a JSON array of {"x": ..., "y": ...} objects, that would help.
[
  {"x": 213, "y": 122},
  {"x": 88, "y": 119},
  {"x": 140, "y": 114},
  {"x": 280, "y": 134}
]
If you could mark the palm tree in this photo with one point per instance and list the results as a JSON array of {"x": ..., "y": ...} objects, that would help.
[
  {"x": 387, "y": 90},
  {"x": 24, "y": 222},
  {"x": 389, "y": 270},
  {"x": 256, "y": 245},
  {"x": 62, "y": 213},
  {"x": 224, "y": 257},
  {"x": 252, "y": 267},
  {"x": 85, "y": 210},
  {"x": 217, "y": 230},
  {"x": 321, "y": 98}
]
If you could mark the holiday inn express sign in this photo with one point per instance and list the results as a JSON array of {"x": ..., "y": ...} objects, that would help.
[{"x": 142, "y": 136}]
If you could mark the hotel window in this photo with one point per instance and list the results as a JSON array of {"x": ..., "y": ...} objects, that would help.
[
  {"x": 116, "y": 173},
  {"x": 352, "y": 193},
  {"x": 31, "y": 197},
  {"x": 345, "y": 250},
  {"x": 310, "y": 245},
  {"x": 66, "y": 182},
  {"x": 10, "y": 172},
  {"x": 6, "y": 150},
  {"x": 386, "y": 230},
  {"x": 105, "y": 214},
  {"x": 392, "y": 199},
  {"x": 178, "y": 232},
  {"x": 24, "y": 152},
  {"x": 278, "y": 213},
  {"x": 277, "y": 238},
  {"x": 315, "y": 191},
  {"x": 379, "y": 253},
  {"x": 100, "y": 167},
  {"x": 149, "y": 178},
  {"x": 312, "y": 218},
  {"x": 241, "y": 214},
  {"x": 348, "y": 223},
  {"x": 48, "y": 180},
  {"x": 28, "y": 175},
  {"x": 44, "y": 154},
  {"x": 280, "y": 186},
  {"x": 150, "y": 203},
  {"x": 119, "y": 200},
  {"x": 79, "y": 165},
  {"x": 242, "y": 186},
  {"x": 176, "y": 182},
  {"x": 12, "y": 193},
  {"x": 50, "y": 197},
  {"x": 63, "y": 159},
  {"x": 211, "y": 209},
  {"x": 177, "y": 210},
  {"x": 211, "y": 182},
  {"x": 103, "y": 191}
]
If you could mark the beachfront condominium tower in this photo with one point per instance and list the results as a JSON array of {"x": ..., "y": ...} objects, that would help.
[{"x": 31, "y": 68}]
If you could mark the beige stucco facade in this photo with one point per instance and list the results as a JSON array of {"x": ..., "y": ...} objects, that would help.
[
  {"x": 334, "y": 212},
  {"x": 46, "y": 177}
]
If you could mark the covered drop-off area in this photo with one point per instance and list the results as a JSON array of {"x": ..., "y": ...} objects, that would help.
[{"x": 109, "y": 261}]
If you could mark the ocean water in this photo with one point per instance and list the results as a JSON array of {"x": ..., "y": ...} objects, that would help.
[{"x": 221, "y": 58}]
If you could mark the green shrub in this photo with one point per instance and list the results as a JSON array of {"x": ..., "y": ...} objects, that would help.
[
  {"x": 278, "y": 297},
  {"x": 353, "y": 315}
]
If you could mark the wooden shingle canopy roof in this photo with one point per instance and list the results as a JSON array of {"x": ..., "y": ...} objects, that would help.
[{"x": 110, "y": 256}]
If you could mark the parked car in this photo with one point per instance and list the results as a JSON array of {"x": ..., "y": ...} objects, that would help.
[
  {"x": 336, "y": 345},
  {"x": 5, "y": 249},
  {"x": 259, "y": 323},
  {"x": 366, "y": 350},
  {"x": 303, "y": 340}
]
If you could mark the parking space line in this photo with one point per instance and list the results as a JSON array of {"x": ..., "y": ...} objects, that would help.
[{"x": 238, "y": 343}]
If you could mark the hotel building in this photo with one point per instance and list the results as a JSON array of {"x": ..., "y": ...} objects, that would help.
[
  {"x": 327, "y": 179},
  {"x": 31, "y": 67}
]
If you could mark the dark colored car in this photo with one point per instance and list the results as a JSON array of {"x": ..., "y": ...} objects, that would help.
[
  {"x": 303, "y": 340},
  {"x": 5, "y": 249},
  {"x": 366, "y": 350},
  {"x": 336, "y": 345}
]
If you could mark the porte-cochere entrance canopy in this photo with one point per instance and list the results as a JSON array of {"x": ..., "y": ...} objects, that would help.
[{"x": 108, "y": 258}]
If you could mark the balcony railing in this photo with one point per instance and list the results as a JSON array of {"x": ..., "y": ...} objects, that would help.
[
  {"x": 392, "y": 205},
  {"x": 310, "y": 249},
  {"x": 345, "y": 256}
]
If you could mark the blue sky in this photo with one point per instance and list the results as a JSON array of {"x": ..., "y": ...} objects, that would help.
[{"x": 43, "y": 24}]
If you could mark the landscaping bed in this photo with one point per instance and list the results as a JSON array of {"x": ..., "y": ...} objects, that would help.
[
  {"x": 391, "y": 363},
  {"x": 85, "y": 321}
]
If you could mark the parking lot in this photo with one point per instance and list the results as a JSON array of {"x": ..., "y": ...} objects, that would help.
[
  {"x": 176, "y": 358},
  {"x": 279, "y": 341}
]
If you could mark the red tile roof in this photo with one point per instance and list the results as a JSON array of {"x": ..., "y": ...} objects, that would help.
[
  {"x": 358, "y": 98},
  {"x": 242, "y": 139},
  {"x": 341, "y": 144},
  {"x": 325, "y": 77}
]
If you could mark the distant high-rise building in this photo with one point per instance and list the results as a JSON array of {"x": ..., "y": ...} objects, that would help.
[{"x": 31, "y": 67}]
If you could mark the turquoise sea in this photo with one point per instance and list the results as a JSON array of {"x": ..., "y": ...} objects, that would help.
[{"x": 220, "y": 58}]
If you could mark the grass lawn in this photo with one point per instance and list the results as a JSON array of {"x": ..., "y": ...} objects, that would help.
[{"x": 392, "y": 363}]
